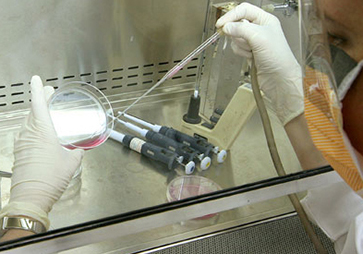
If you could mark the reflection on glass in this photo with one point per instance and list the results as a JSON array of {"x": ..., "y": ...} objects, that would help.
[{"x": 190, "y": 186}]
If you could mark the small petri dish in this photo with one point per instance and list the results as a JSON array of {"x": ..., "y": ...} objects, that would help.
[
  {"x": 81, "y": 114},
  {"x": 190, "y": 186}
]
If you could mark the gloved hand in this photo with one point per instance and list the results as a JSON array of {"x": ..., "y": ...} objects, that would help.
[
  {"x": 259, "y": 34},
  {"x": 42, "y": 167}
]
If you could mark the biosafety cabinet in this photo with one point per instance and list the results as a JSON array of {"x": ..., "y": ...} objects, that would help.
[{"x": 119, "y": 202}]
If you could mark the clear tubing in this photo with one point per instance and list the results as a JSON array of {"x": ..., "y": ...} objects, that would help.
[{"x": 177, "y": 68}]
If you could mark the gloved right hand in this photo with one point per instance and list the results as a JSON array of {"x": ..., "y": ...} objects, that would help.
[{"x": 259, "y": 34}]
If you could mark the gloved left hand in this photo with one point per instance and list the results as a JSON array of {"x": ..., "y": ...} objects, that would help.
[{"x": 42, "y": 167}]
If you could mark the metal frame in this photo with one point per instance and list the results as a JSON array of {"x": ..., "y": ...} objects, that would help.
[{"x": 149, "y": 218}]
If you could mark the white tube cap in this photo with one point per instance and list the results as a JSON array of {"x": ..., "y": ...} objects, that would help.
[
  {"x": 205, "y": 163},
  {"x": 221, "y": 156},
  {"x": 189, "y": 167}
]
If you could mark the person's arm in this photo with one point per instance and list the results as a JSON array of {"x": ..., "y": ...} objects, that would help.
[
  {"x": 14, "y": 234},
  {"x": 42, "y": 168},
  {"x": 309, "y": 156}
]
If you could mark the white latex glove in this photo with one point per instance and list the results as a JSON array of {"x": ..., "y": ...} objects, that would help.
[
  {"x": 258, "y": 33},
  {"x": 42, "y": 167}
]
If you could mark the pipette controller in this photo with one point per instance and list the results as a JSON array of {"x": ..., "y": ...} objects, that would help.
[
  {"x": 189, "y": 154},
  {"x": 197, "y": 143},
  {"x": 165, "y": 156}
]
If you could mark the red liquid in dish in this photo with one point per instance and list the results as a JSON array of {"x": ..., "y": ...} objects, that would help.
[{"x": 87, "y": 144}]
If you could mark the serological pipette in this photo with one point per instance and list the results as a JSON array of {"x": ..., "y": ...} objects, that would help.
[{"x": 177, "y": 67}]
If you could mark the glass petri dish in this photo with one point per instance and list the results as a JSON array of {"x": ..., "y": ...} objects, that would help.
[
  {"x": 190, "y": 186},
  {"x": 81, "y": 114}
]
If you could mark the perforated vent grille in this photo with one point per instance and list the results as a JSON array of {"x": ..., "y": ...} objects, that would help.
[
  {"x": 277, "y": 237},
  {"x": 113, "y": 81}
]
